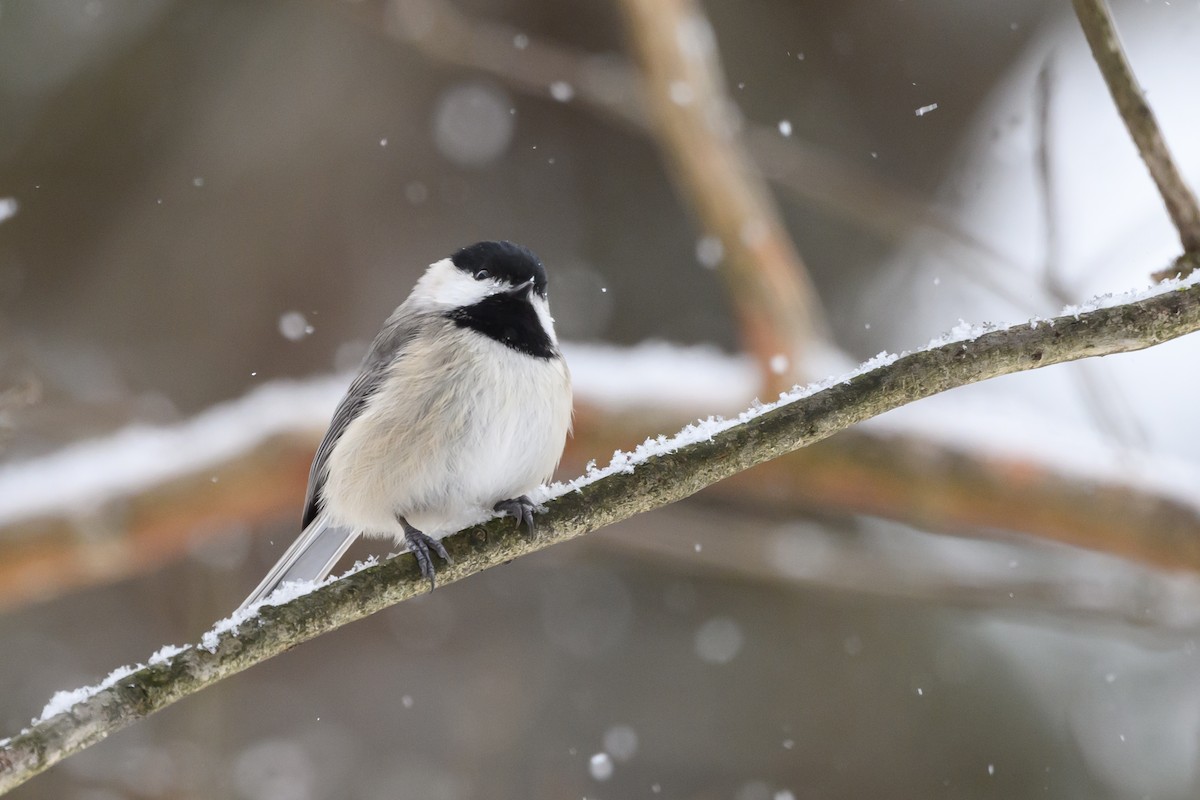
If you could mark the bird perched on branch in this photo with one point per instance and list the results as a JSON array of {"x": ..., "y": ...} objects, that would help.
[{"x": 460, "y": 409}]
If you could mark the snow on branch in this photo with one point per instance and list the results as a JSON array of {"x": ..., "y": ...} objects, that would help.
[{"x": 659, "y": 472}]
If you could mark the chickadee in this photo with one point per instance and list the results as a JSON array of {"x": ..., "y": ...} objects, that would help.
[{"x": 460, "y": 408}]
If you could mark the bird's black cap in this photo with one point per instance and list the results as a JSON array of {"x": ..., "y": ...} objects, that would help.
[{"x": 507, "y": 261}]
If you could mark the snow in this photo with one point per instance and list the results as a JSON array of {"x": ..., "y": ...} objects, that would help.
[
  {"x": 699, "y": 431},
  {"x": 1110, "y": 299},
  {"x": 719, "y": 640},
  {"x": 166, "y": 653},
  {"x": 8, "y": 208},
  {"x": 621, "y": 742},
  {"x": 294, "y": 326},
  {"x": 83, "y": 476},
  {"x": 600, "y": 766},
  {"x": 968, "y": 332},
  {"x": 63, "y": 700},
  {"x": 659, "y": 374},
  {"x": 284, "y": 594},
  {"x": 710, "y": 251},
  {"x": 681, "y": 93},
  {"x": 471, "y": 124},
  {"x": 562, "y": 91}
]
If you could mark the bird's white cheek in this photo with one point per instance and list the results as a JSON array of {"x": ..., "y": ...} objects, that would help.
[
  {"x": 444, "y": 284},
  {"x": 541, "y": 307}
]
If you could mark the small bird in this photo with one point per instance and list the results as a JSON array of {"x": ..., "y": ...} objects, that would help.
[{"x": 461, "y": 407}]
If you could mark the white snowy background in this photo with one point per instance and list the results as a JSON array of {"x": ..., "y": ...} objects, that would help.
[{"x": 206, "y": 210}]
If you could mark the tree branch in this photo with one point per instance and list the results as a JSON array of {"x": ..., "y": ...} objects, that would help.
[
  {"x": 661, "y": 474},
  {"x": 777, "y": 306},
  {"x": 1098, "y": 26}
]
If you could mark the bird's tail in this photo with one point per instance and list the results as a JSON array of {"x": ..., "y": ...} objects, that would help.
[{"x": 310, "y": 558}]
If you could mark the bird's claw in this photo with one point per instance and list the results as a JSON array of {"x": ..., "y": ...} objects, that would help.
[
  {"x": 520, "y": 508},
  {"x": 419, "y": 544}
]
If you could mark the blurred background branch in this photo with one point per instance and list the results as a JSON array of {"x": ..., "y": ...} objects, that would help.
[
  {"x": 780, "y": 314},
  {"x": 884, "y": 472},
  {"x": 1096, "y": 19}
]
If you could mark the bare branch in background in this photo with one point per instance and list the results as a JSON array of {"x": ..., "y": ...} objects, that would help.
[
  {"x": 698, "y": 128},
  {"x": 1052, "y": 278},
  {"x": 1098, "y": 26},
  {"x": 888, "y": 473},
  {"x": 650, "y": 482},
  {"x": 46, "y": 556}
]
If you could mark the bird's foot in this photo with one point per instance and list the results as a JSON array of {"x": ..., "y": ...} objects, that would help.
[
  {"x": 521, "y": 508},
  {"x": 420, "y": 545}
]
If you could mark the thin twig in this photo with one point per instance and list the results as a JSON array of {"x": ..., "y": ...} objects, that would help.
[
  {"x": 644, "y": 484},
  {"x": 1052, "y": 278},
  {"x": 1098, "y": 26}
]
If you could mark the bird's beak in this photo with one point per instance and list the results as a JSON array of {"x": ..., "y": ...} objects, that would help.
[{"x": 517, "y": 291}]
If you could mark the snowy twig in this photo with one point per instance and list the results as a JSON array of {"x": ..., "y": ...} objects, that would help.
[
  {"x": 662, "y": 472},
  {"x": 1096, "y": 19},
  {"x": 778, "y": 309}
]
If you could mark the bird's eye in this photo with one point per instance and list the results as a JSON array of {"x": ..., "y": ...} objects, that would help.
[{"x": 482, "y": 275}]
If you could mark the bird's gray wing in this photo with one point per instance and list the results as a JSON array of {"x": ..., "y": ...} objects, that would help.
[{"x": 389, "y": 345}]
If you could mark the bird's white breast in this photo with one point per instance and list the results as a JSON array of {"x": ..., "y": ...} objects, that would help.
[{"x": 459, "y": 423}]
